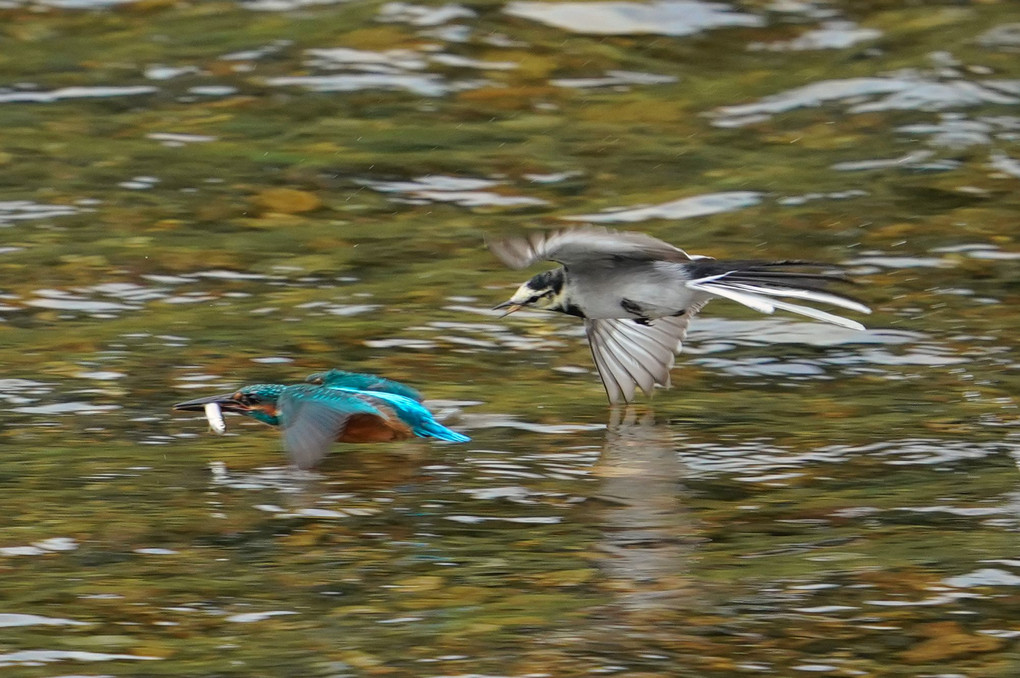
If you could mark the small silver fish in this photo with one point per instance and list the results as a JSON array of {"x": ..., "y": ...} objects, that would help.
[{"x": 215, "y": 417}]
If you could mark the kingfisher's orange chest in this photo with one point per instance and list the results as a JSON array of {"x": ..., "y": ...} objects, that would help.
[{"x": 370, "y": 428}]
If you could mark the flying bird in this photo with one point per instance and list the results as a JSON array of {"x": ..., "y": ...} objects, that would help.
[
  {"x": 336, "y": 406},
  {"x": 637, "y": 295}
]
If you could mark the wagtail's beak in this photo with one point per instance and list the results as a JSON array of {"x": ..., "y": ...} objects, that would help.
[
  {"x": 224, "y": 400},
  {"x": 510, "y": 307}
]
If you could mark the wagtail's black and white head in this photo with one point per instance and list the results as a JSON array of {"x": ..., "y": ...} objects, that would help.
[
  {"x": 637, "y": 294},
  {"x": 543, "y": 292}
]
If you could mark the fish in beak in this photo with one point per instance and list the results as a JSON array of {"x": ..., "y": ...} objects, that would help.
[{"x": 213, "y": 407}]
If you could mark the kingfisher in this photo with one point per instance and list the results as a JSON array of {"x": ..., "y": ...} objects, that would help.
[
  {"x": 637, "y": 294},
  {"x": 333, "y": 406}
]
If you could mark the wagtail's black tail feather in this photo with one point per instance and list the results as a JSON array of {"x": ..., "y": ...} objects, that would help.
[{"x": 761, "y": 285}]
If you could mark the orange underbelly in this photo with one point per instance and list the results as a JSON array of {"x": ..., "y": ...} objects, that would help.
[{"x": 371, "y": 428}]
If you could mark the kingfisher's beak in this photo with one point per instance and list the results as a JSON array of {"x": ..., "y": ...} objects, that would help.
[
  {"x": 510, "y": 306},
  {"x": 226, "y": 402}
]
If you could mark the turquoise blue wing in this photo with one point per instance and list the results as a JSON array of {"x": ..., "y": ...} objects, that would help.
[
  {"x": 361, "y": 381},
  {"x": 412, "y": 413},
  {"x": 312, "y": 418}
]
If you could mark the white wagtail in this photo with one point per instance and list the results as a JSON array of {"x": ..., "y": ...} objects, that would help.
[{"x": 637, "y": 294}]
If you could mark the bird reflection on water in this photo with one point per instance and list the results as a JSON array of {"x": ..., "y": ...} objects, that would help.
[{"x": 649, "y": 536}]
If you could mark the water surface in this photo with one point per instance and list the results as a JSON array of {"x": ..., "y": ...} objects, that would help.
[{"x": 197, "y": 196}]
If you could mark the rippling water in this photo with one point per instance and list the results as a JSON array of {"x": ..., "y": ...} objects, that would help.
[{"x": 194, "y": 196}]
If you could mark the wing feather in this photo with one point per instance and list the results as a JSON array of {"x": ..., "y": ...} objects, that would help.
[
  {"x": 586, "y": 245},
  {"x": 614, "y": 391},
  {"x": 629, "y": 369},
  {"x": 630, "y": 355},
  {"x": 312, "y": 422},
  {"x": 639, "y": 364}
]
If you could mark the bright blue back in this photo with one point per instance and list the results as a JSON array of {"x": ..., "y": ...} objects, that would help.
[{"x": 361, "y": 381}]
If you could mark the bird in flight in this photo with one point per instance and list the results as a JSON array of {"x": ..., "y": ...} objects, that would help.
[
  {"x": 637, "y": 295},
  {"x": 333, "y": 406}
]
